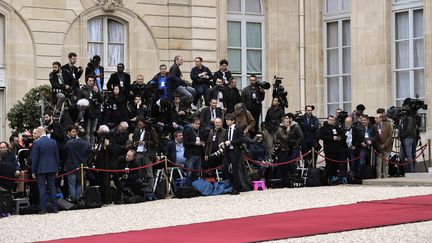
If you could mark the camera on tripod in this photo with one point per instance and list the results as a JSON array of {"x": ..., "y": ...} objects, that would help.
[{"x": 279, "y": 91}]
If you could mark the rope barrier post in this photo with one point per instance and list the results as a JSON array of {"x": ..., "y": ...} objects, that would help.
[
  {"x": 82, "y": 178},
  {"x": 313, "y": 158},
  {"x": 166, "y": 176},
  {"x": 429, "y": 152}
]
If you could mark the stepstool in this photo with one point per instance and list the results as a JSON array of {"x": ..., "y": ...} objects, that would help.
[
  {"x": 20, "y": 203},
  {"x": 259, "y": 185},
  {"x": 161, "y": 175}
]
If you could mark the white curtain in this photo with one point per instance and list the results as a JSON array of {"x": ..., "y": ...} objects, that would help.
[
  {"x": 234, "y": 34},
  {"x": 419, "y": 83},
  {"x": 346, "y": 89},
  {"x": 253, "y": 6},
  {"x": 345, "y": 5},
  {"x": 254, "y": 40},
  {"x": 402, "y": 54},
  {"x": 95, "y": 38},
  {"x": 419, "y": 53},
  {"x": 332, "y": 89},
  {"x": 402, "y": 28},
  {"x": 402, "y": 84},
  {"x": 418, "y": 23},
  {"x": 234, "y": 5},
  {"x": 115, "y": 43}
]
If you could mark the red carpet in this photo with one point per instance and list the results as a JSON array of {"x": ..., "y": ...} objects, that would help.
[{"x": 283, "y": 225}]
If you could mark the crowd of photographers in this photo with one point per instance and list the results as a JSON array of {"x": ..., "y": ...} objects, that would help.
[{"x": 203, "y": 124}]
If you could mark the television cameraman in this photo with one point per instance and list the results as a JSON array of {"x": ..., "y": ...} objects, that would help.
[{"x": 408, "y": 136}]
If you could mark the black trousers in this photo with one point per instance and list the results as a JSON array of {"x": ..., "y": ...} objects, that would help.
[{"x": 233, "y": 157}]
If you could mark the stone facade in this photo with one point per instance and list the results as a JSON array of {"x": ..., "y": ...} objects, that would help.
[{"x": 40, "y": 32}]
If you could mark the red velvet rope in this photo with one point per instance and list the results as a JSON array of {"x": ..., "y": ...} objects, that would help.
[
  {"x": 422, "y": 149},
  {"x": 31, "y": 180},
  {"x": 280, "y": 163},
  {"x": 131, "y": 169},
  {"x": 338, "y": 161}
]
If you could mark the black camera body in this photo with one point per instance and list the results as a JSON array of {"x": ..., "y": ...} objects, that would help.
[{"x": 279, "y": 91}]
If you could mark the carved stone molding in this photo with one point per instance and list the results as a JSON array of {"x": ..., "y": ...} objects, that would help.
[{"x": 109, "y": 5}]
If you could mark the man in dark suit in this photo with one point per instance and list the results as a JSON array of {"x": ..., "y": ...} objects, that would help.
[
  {"x": 175, "y": 149},
  {"x": 194, "y": 144},
  {"x": 72, "y": 72},
  {"x": 45, "y": 158},
  {"x": 233, "y": 140},
  {"x": 61, "y": 85},
  {"x": 209, "y": 113},
  {"x": 121, "y": 79}
]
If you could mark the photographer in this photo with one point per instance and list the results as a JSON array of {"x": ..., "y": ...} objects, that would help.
[
  {"x": 72, "y": 72},
  {"x": 209, "y": 113},
  {"x": 332, "y": 138},
  {"x": 217, "y": 93},
  {"x": 259, "y": 152},
  {"x": 137, "y": 88},
  {"x": 231, "y": 96},
  {"x": 106, "y": 151},
  {"x": 369, "y": 138},
  {"x": 201, "y": 77},
  {"x": 212, "y": 145},
  {"x": 116, "y": 106},
  {"x": 97, "y": 71},
  {"x": 145, "y": 141},
  {"x": 407, "y": 135},
  {"x": 177, "y": 83},
  {"x": 129, "y": 178},
  {"x": 61, "y": 85},
  {"x": 223, "y": 73},
  {"x": 120, "y": 79},
  {"x": 253, "y": 96},
  {"x": 352, "y": 139},
  {"x": 310, "y": 125},
  {"x": 272, "y": 121},
  {"x": 384, "y": 146},
  {"x": 194, "y": 141},
  {"x": 92, "y": 114}
]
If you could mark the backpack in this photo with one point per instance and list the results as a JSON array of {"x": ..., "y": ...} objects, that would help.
[{"x": 92, "y": 198}]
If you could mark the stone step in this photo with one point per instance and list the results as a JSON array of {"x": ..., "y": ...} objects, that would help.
[
  {"x": 397, "y": 181},
  {"x": 430, "y": 169},
  {"x": 418, "y": 175}
]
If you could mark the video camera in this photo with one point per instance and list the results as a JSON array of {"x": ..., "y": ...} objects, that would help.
[
  {"x": 265, "y": 85},
  {"x": 279, "y": 91},
  {"x": 409, "y": 107}
]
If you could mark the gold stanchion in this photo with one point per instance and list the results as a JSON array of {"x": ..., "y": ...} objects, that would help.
[
  {"x": 313, "y": 158},
  {"x": 166, "y": 176},
  {"x": 429, "y": 151},
  {"x": 82, "y": 178}
]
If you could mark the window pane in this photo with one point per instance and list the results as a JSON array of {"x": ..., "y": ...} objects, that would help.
[
  {"x": 95, "y": 30},
  {"x": 115, "y": 54},
  {"x": 254, "y": 64},
  {"x": 402, "y": 84},
  {"x": 346, "y": 33},
  {"x": 234, "y": 34},
  {"x": 234, "y": 5},
  {"x": 331, "y": 109},
  {"x": 401, "y": 25},
  {"x": 234, "y": 57},
  {"x": 345, "y": 5},
  {"x": 346, "y": 88},
  {"x": 402, "y": 54},
  {"x": 418, "y": 53},
  {"x": 332, "y": 34},
  {"x": 115, "y": 32},
  {"x": 332, "y": 62},
  {"x": 253, "y": 35},
  {"x": 253, "y": 6},
  {"x": 419, "y": 84},
  {"x": 332, "y": 6},
  {"x": 333, "y": 89},
  {"x": 346, "y": 52},
  {"x": 418, "y": 23},
  {"x": 347, "y": 107},
  {"x": 95, "y": 49}
]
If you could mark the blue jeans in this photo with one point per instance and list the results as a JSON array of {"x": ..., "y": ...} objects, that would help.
[
  {"x": 406, "y": 151},
  {"x": 194, "y": 163},
  {"x": 44, "y": 180},
  {"x": 74, "y": 185},
  {"x": 201, "y": 90}
]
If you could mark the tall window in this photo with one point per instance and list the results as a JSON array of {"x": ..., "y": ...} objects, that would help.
[
  {"x": 337, "y": 56},
  {"x": 106, "y": 38},
  {"x": 408, "y": 51},
  {"x": 245, "y": 39}
]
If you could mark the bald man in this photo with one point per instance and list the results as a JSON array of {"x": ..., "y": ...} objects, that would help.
[{"x": 45, "y": 158}]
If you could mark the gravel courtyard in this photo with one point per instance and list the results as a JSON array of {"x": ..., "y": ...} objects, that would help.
[{"x": 169, "y": 212}]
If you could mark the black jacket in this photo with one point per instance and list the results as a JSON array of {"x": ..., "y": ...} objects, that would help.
[
  {"x": 77, "y": 151},
  {"x": 60, "y": 87},
  {"x": 251, "y": 101},
  {"x": 73, "y": 75},
  {"x": 231, "y": 98},
  {"x": 189, "y": 140},
  {"x": 95, "y": 100},
  {"x": 219, "y": 74},
  {"x": 327, "y": 133},
  {"x": 295, "y": 136},
  {"x": 114, "y": 80},
  {"x": 273, "y": 118},
  {"x": 90, "y": 70},
  {"x": 205, "y": 116},
  {"x": 196, "y": 79}
]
